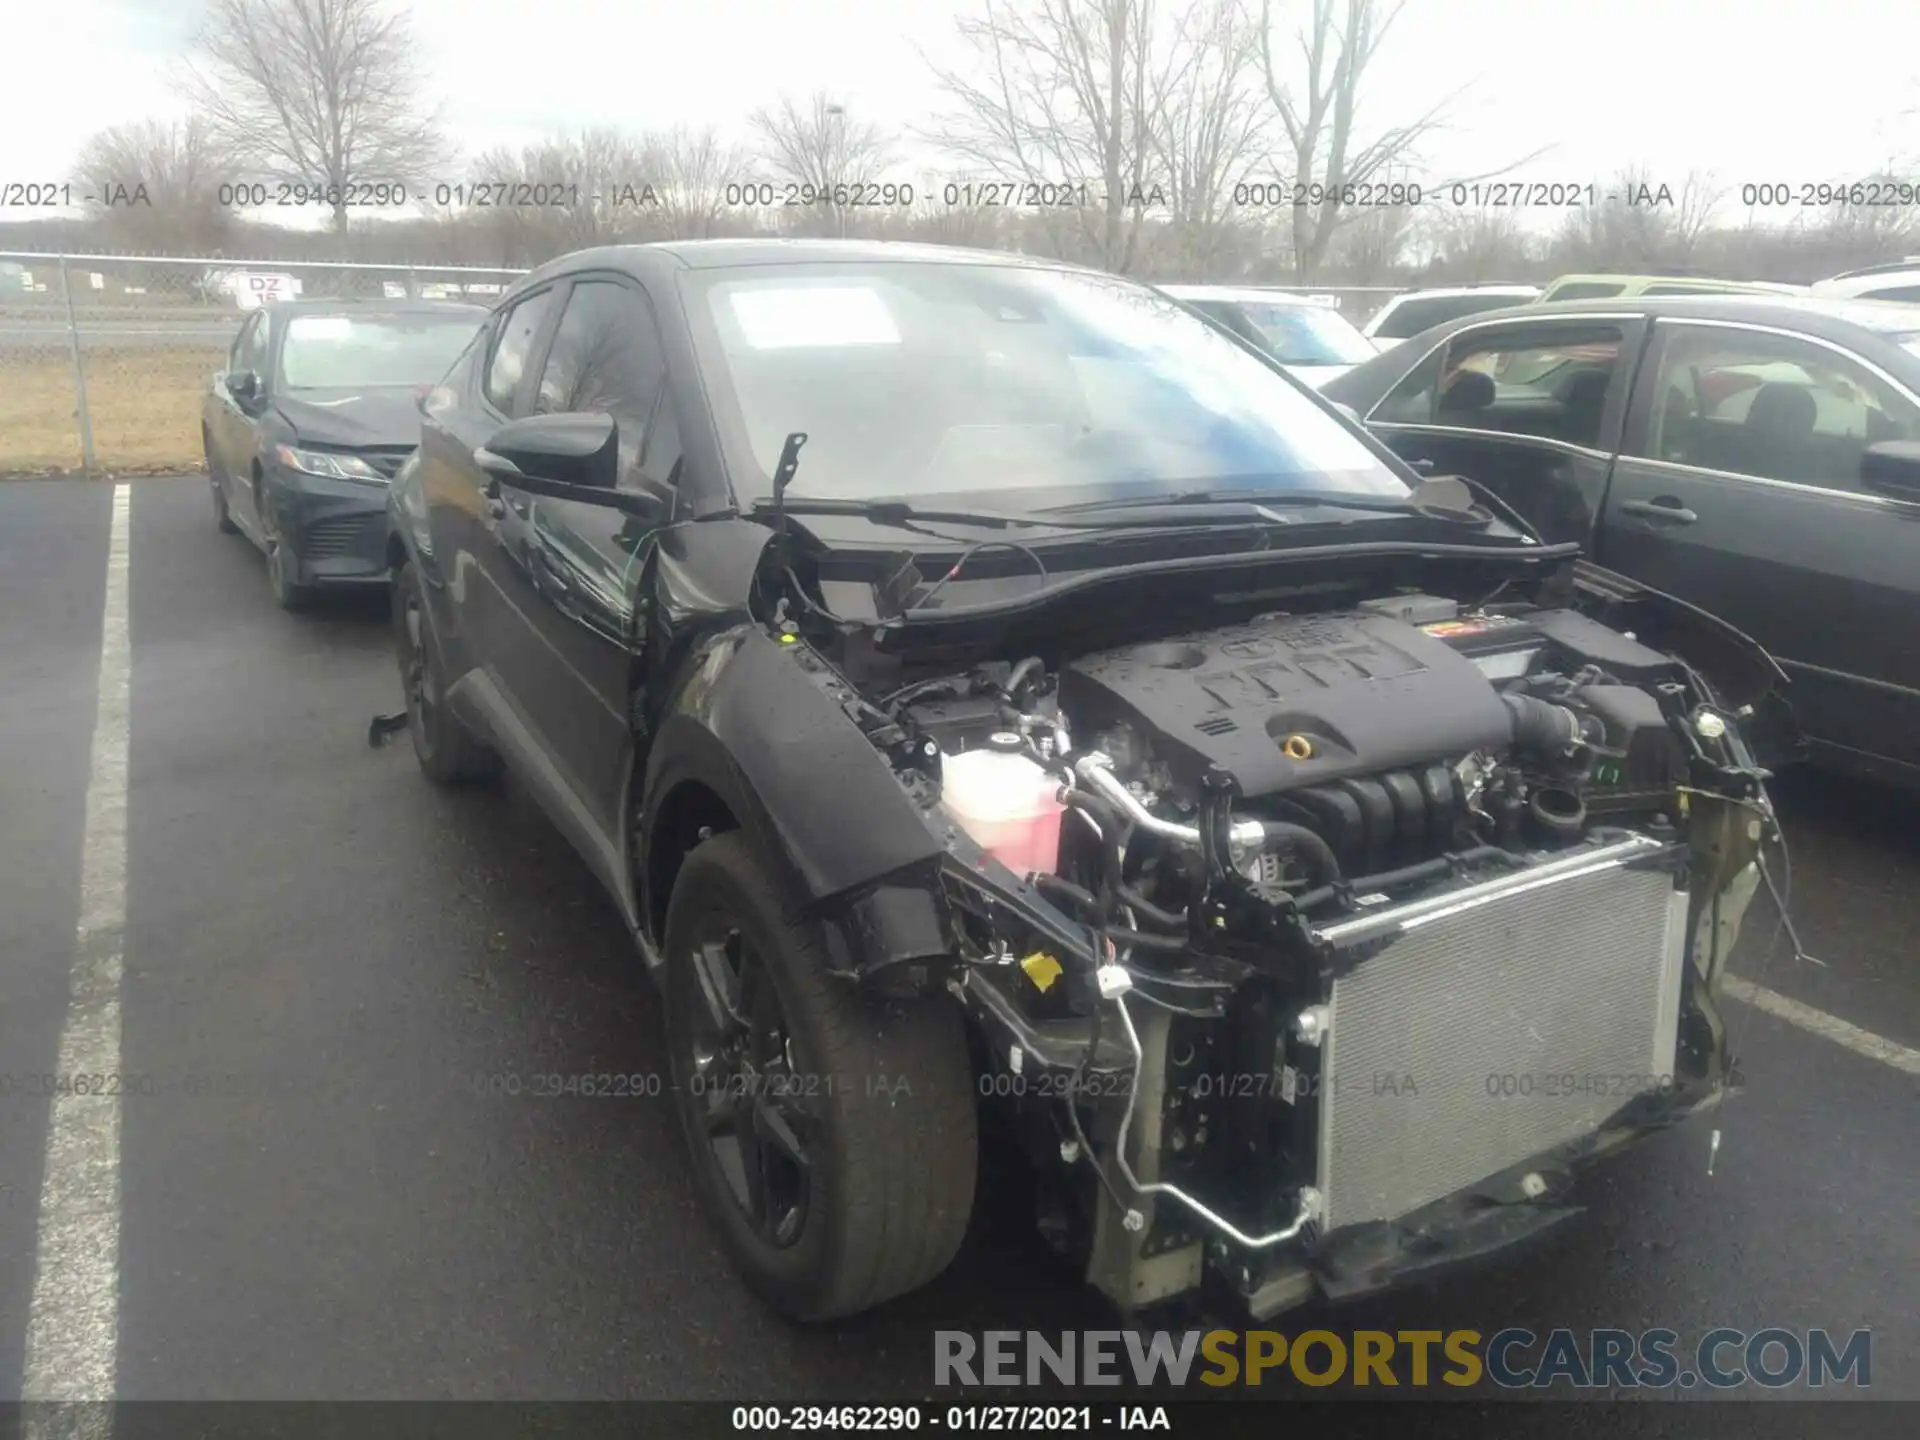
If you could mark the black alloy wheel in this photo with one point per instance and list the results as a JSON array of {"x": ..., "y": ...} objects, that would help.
[
  {"x": 831, "y": 1132},
  {"x": 757, "y": 1122}
]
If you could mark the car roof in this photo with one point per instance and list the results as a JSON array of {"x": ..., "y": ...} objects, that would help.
[
  {"x": 1816, "y": 314},
  {"x": 1707, "y": 283},
  {"x": 659, "y": 257},
  {"x": 1857, "y": 282},
  {"x": 385, "y": 307},
  {"x": 1885, "y": 267},
  {"x": 1244, "y": 294},
  {"x": 1448, "y": 292}
]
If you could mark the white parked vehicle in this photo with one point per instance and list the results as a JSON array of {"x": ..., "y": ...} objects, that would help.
[
  {"x": 1305, "y": 333},
  {"x": 1407, "y": 315},
  {"x": 1896, "y": 280}
]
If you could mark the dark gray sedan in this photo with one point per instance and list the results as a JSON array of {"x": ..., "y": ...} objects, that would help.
[
  {"x": 1756, "y": 455},
  {"x": 316, "y": 409}
]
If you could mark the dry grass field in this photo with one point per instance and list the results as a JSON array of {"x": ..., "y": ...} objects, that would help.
[{"x": 144, "y": 403}]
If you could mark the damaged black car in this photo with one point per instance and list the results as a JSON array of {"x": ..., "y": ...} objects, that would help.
[{"x": 1002, "y": 705}]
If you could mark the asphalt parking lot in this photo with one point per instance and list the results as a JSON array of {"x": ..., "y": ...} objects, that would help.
[{"x": 345, "y": 955}]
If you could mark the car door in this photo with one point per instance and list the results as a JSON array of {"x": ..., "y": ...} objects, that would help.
[
  {"x": 1531, "y": 409},
  {"x": 583, "y": 565},
  {"x": 232, "y": 429},
  {"x": 1739, "y": 490},
  {"x": 478, "y": 531}
]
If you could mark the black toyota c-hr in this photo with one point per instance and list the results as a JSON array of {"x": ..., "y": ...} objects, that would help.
[{"x": 999, "y": 701}]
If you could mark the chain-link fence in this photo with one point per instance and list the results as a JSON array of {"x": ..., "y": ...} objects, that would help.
[{"x": 104, "y": 358}]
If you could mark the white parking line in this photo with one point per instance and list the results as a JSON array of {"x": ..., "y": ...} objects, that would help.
[
  {"x": 1828, "y": 1027},
  {"x": 73, "y": 1318}
]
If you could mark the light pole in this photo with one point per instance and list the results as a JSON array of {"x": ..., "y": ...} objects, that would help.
[{"x": 837, "y": 118}]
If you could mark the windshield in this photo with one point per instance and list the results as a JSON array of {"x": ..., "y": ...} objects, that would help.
[
  {"x": 325, "y": 352},
  {"x": 1306, "y": 334},
  {"x": 1047, "y": 386}
]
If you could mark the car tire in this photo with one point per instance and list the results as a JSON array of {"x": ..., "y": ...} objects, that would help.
[
  {"x": 878, "y": 1095},
  {"x": 222, "y": 514},
  {"x": 288, "y": 593},
  {"x": 448, "y": 752}
]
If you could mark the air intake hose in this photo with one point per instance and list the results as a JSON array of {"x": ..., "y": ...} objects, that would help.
[{"x": 1542, "y": 728}]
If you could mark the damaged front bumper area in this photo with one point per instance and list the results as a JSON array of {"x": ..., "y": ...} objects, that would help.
[
  {"x": 1313, "y": 952},
  {"x": 1413, "y": 1092}
]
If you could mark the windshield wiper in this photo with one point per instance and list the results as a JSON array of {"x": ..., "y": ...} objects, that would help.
[
  {"x": 1443, "y": 498},
  {"x": 893, "y": 511}
]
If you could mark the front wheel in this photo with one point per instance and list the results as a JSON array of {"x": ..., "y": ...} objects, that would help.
[
  {"x": 448, "y": 752},
  {"x": 832, "y": 1134},
  {"x": 282, "y": 566},
  {"x": 216, "y": 478}
]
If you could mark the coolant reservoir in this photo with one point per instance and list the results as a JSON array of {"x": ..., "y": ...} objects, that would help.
[{"x": 1007, "y": 804}]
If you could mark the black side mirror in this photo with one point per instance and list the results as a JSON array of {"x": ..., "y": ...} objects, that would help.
[
  {"x": 565, "y": 457},
  {"x": 243, "y": 385},
  {"x": 1893, "y": 468}
]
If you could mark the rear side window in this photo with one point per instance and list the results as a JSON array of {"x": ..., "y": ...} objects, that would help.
[
  {"x": 1909, "y": 293},
  {"x": 519, "y": 328},
  {"x": 1770, "y": 406},
  {"x": 1550, "y": 384}
]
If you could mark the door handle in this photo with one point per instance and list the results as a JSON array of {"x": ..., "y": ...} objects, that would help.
[{"x": 1664, "y": 508}]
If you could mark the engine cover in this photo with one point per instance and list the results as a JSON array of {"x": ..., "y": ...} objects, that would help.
[{"x": 1367, "y": 693}]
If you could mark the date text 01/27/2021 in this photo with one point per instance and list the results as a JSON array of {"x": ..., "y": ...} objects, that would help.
[{"x": 961, "y": 1419}]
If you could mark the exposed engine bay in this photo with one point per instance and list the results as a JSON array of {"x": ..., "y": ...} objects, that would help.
[{"x": 1316, "y": 948}]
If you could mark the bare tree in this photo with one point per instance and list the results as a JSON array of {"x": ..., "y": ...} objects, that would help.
[
  {"x": 816, "y": 146},
  {"x": 1059, "y": 101},
  {"x": 1209, "y": 122},
  {"x": 1474, "y": 246},
  {"x": 1319, "y": 109},
  {"x": 692, "y": 168},
  {"x": 1371, "y": 245},
  {"x": 154, "y": 186},
  {"x": 1639, "y": 222},
  {"x": 316, "y": 92}
]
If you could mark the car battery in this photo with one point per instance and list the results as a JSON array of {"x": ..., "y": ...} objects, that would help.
[{"x": 1502, "y": 647}]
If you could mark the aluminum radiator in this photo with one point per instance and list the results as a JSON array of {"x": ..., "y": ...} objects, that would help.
[{"x": 1447, "y": 1056}]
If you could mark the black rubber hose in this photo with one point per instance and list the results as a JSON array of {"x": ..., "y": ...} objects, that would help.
[
  {"x": 1056, "y": 887},
  {"x": 1562, "y": 818},
  {"x": 1098, "y": 807},
  {"x": 1424, "y": 870},
  {"x": 1140, "y": 905},
  {"x": 1121, "y": 935},
  {"x": 1542, "y": 728},
  {"x": 1315, "y": 851},
  {"x": 1019, "y": 676}
]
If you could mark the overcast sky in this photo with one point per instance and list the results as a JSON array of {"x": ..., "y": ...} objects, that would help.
[{"x": 1789, "y": 90}]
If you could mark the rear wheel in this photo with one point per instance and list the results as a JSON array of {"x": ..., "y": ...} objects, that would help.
[
  {"x": 447, "y": 751},
  {"x": 832, "y": 1134}
]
